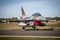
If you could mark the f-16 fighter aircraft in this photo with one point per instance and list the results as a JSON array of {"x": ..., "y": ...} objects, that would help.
[{"x": 33, "y": 21}]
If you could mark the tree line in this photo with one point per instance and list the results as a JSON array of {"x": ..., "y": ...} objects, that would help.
[{"x": 53, "y": 18}]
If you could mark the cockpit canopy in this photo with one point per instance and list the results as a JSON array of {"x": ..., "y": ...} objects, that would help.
[{"x": 36, "y": 14}]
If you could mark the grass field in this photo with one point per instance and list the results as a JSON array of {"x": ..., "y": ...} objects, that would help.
[
  {"x": 25, "y": 38},
  {"x": 55, "y": 24},
  {"x": 11, "y": 26},
  {"x": 14, "y": 26}
]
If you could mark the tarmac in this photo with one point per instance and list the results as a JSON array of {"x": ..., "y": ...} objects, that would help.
[{"x": 30, "y": 33}]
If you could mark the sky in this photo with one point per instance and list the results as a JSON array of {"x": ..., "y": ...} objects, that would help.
[{"x": 12, "y": 8}]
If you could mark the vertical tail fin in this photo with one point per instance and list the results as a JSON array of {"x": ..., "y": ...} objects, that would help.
[{"x": 22, "y": 11}]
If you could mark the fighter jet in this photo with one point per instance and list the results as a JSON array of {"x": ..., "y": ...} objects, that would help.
[{"x": 30, "y": 20}]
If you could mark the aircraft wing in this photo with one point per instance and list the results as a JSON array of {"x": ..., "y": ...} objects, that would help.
[{"x": 40, "y": 18}]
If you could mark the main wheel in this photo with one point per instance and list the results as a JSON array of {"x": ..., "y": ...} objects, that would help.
[
  {"x": 34, "y": 27},
  {"x": 23, "y": 28}
]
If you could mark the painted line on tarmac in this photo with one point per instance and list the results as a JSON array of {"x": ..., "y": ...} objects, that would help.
[{"x": 32, "y": 36}]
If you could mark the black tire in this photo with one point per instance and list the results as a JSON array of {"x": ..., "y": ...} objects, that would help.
[
  {"x": 35, "y": 28},
  {"x": 51, "y": 28},
  {"x": 23, "y": 28}
]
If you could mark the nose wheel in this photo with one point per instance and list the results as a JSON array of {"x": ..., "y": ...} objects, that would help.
[{"x": 34, "y": 27}]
